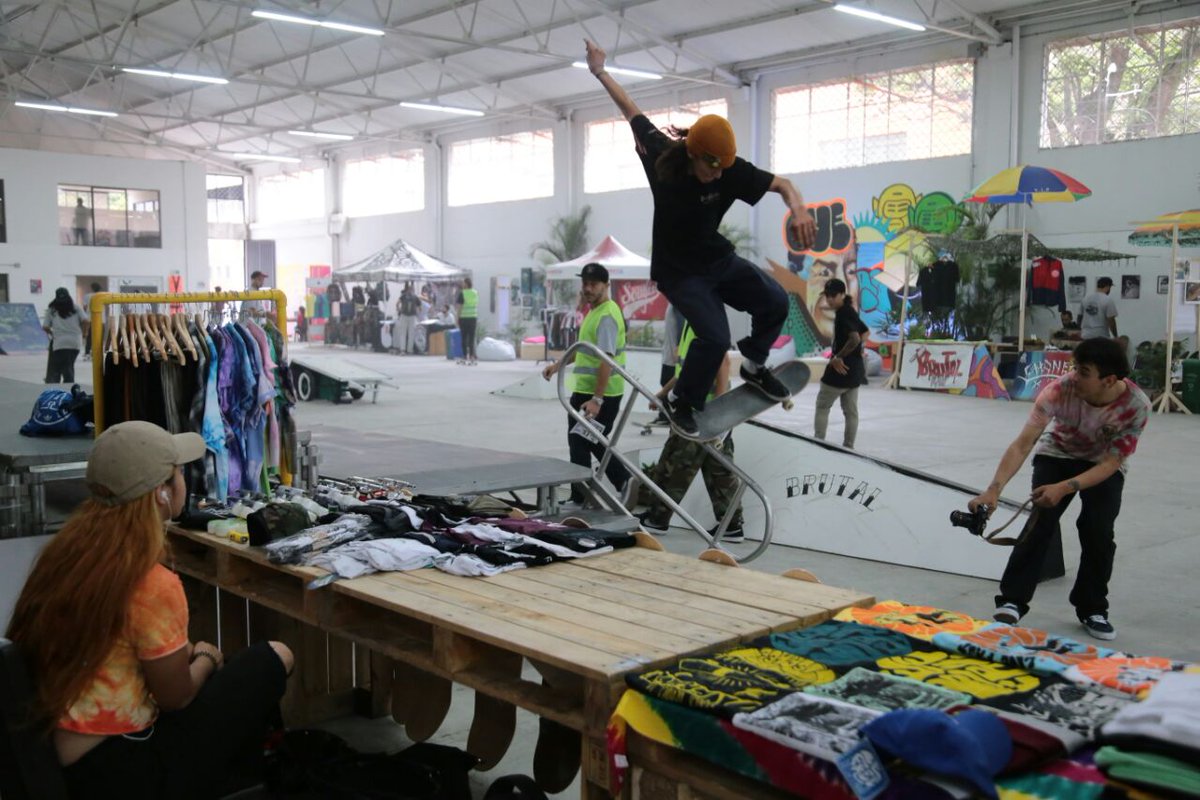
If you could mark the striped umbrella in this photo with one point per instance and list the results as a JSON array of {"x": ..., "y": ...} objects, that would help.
[{"x": 1027, "y": 184}]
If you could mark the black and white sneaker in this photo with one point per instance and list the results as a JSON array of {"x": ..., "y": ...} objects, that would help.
[
  {"x": 681, "y": 415},
  {"x": 1007, "y": 613},
  {"x": 733, "y": 534},
  {"x": 1099, "y": 627},
  {"x": 649, "y": 525},
  {"x": 765, "y": 381}
]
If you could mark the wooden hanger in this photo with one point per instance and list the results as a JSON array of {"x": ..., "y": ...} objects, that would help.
[
  {"x": 167, "y": 332},
  {"x": 147, "y": 332},
  {"x": 181, "y": 327},
  {"x": 131, "y": 342}
]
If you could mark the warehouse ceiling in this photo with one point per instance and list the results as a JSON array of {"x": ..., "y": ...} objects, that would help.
[{"x": 510, "y": 59}]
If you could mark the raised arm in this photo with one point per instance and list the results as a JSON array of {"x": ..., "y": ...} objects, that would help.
[{"x": 595, "y": 61}]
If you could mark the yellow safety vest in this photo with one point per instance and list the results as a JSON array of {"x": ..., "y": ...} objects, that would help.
[
  {"x": 586, "y": 365},
  {"x": 470, "y": 304},
  {"x": 686, "y": 337}
]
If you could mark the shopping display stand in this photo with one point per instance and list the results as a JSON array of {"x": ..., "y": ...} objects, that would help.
[
  {"x": 101, "y": 301},
  {"x": 397, "y": 642}
]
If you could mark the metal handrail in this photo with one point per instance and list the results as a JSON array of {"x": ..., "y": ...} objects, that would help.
[{"x": 611, "y": 451}]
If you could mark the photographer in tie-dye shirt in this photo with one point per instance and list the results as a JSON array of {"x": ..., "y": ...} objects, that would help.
[
  {"x": 133, "y": 708},
  {"x": 1098, "y": 415}
]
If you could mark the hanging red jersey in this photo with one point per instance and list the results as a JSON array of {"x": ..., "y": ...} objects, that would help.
[{"x": 1046, "y": 283}]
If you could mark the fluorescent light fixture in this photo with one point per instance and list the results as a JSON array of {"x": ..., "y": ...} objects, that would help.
[
  {"x": 260, "y": 157},
  {"x": 180, "y": 76},
  {"x": 319, "y": 23},
  {"x": 69, "y": 109},
  {"x": 633, "y": 73},
  {"x": 875, "y": 15},
  {"x": 466, "y": 112},
  {"x": 341, "y": 137}
]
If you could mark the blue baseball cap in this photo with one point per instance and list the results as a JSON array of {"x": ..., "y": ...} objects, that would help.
[{"x": 973, "y": 745}]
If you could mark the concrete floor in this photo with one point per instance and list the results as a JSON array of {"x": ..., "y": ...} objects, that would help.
[{"x": 1154, "y": 595}]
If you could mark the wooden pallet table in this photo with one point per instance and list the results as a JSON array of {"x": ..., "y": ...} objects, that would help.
[{"x": 581, "y": 626}]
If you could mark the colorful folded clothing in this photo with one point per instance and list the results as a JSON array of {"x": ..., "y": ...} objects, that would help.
[
  {"x": 735, "y": 681},
  {"x": 842, "y": 644},
  {"x": 821, "y": 727},
  {"x": 881, "y": 691},
  {"x": 1170, "y": 713},
  {"x": 973, "y": 676},
  {"x": 922, "y": 622},
  {"x": 1074, "y": 778},
  {"x": 1149, "y": 769},
  {"x": 1027, "y": 648},
  {"x": 1078, "y": 708},
  {"x": 1126, "y": 674}
]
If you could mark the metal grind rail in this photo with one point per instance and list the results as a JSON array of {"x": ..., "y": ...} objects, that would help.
[{"x": 610, "y": 445}]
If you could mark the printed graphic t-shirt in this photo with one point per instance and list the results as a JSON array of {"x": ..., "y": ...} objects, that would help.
[
  {"x": 1084, "y": 431},
  {"x": 1095, "y": 312},
  {"x": 118, "y": 700},
  {"x": 846, "y": 322}
]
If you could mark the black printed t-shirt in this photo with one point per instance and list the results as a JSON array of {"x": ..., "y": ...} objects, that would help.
[
  {"x": 688, "y": 212},
  {"x": 846, "y": 322}
]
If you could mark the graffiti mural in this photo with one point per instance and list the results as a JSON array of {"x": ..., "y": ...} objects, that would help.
[
  {"x": 936, "y": 212},
  {"x": 834, "y": 255},
  {"x": 894, "y": 204}
]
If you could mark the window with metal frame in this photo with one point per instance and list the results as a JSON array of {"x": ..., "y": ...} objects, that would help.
[
  {"x": 1130, "y": 84},
  {"x": 101, "y": 216},
  {"x": 291, "y": 196},
  {"x": 899, "y": 115},
  {"x": 391, "y": 184},
  {"x": 516, "y": 166}
]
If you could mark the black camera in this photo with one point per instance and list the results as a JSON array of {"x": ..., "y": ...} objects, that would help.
[{"x": 974, "y": 521}]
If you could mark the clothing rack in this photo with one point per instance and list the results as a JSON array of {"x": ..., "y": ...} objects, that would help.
[{"x": 102, "y": 300}]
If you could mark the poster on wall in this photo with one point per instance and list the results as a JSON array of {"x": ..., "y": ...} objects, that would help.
[
  {"x": 1131, "y": 287},
  {"x": 936, "y": 365},
  {"x": 640, "y": 300},
  {"x": 1076, "y": 288},
  {"x": 1164, "y": 282},
  {"x": 1191, "y": 292}
]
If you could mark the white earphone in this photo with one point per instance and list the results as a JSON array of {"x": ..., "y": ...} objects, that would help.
[{"x": 162, "y": 495}]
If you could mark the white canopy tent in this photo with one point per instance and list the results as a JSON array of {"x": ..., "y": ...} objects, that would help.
[
  {"x": 400, "y": 262},
  {"x": 621, "y": 263}
]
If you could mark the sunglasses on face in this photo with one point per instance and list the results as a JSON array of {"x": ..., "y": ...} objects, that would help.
[{"x": 712, "y": 161}]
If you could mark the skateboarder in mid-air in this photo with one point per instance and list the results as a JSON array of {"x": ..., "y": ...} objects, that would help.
[{"x": 695, "y": 178}]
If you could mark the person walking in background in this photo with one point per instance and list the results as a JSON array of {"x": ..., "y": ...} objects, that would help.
[
  {"x": 256, "y": 309},
  {"x": 217, "y": 309},
  {"x": 695, "y": 177},
  {"x": 301, "y": 325},
  {"x": 404, "y": 332},
  {"x": 595, "y": 391},
  {"x": 81, "y": 221},
  {"x": 85, "y": 312},
  {"x": 133, "y": 708},
  {"x": 64, "y": 325},
  {"x": 1098, "y": 314},
  {"x": 846, "y": 370},
  {"x": 467, "y": 312},
  {"x": 681, "y": 458}
]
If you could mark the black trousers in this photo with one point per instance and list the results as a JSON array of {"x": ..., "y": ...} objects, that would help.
[
  {"x": 1101, "y": 505},
  {"x": 467, "y": 326},
  {"x": 189, "y": 753},
  {"x": 582, "y": 450},
  {"x": 60, "y": 366},
  {"x": 701, "y": 297}
]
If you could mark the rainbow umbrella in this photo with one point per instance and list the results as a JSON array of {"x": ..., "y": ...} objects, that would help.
[
  {"x": 1176, "y": 229},
  {"x": 1027, "y": 184}
]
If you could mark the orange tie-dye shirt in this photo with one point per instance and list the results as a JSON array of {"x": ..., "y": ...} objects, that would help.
[{"x": 118, "y": 700}]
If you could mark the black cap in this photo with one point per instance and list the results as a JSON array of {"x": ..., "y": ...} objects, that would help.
[
  {"x": 1102, "y": 282},
  {"x": 594, "y": 272},
  {"x": 257, "y": 274}
]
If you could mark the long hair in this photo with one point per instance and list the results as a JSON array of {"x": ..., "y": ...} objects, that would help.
[
  {"x": 63, "y": 305},
  {"x": 75, "y": 605},
  {"x": 673, "y": 163}
]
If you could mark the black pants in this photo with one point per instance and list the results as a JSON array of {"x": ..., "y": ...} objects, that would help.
[
  {"x": 701, "y": 297},
  {"x": 466, "y": 326},
  {"x": 1101, "y": 505},
  {"x": 582, "y": 450},
  {"x": 189, "y": 753},
  {"x": 60, "y": 366}
]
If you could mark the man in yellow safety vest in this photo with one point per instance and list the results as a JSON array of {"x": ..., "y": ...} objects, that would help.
[{"x": 595, "y": 390}]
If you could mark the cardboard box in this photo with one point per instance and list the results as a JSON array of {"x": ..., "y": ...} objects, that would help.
[
  {"x": 531, "y": 351},
  {"x": 437, "y": 343}
]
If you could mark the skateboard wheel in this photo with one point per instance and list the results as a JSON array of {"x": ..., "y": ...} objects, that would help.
[{"x": 788, "y": 405}]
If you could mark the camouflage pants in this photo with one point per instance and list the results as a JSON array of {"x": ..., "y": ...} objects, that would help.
[{"x": 676, "y": 469}]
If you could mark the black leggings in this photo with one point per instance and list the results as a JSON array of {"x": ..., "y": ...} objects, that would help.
[
  {"x": 582, "y": 450},
  {"x": 466, "y": 326},
  {"x": 190, "y": 753},
  {"x": 60, "y": 366}
]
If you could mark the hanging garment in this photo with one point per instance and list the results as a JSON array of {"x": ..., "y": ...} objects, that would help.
[{"x": 1047, "y": 283}]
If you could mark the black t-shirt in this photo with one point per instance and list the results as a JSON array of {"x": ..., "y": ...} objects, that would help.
[
  {"x": 688, "y": 212},
  {"x": 846, "y": 322}
]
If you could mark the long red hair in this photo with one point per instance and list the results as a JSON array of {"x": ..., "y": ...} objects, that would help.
[{"x": 75, "y": 605}]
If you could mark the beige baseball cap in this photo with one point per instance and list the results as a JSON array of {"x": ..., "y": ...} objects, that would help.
[{"x": 131, "y": 458}]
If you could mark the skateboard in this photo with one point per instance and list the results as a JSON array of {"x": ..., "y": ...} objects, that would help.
[{"x": 721, "y": 414}]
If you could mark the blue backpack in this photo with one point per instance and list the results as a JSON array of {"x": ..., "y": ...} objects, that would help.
[{"x": 58, "y": 412}]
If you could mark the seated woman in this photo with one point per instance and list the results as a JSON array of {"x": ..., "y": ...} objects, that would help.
[{"x": 135, "y": 709}]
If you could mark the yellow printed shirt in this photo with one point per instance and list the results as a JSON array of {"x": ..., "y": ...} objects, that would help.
[
  {"x": 118, "y": 700},
  {"x": 921, "y": 622}
]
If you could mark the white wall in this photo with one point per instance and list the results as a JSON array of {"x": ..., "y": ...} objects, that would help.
[{"x": 31, "y": 180}]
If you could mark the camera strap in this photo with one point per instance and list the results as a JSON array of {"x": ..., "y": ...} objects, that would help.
[{"x": 993, "y": 537}]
